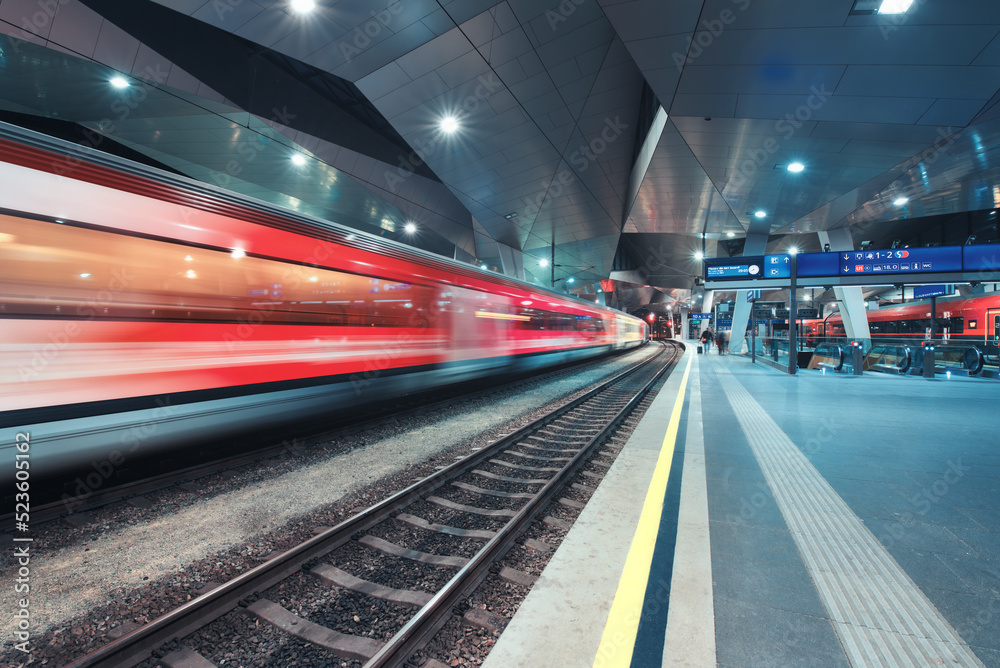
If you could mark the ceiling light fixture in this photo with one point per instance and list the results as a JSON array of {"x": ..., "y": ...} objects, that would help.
[
  {"x": 760, "y": 213},
  {"x": 449, "y": 124},
  {"x": 544, "y": 262},
  {"x": 303, "y": 6},
  {"x": 730, "y": 234},
  {"x": 119, "y": 81},
  {"x": 483, "y": 267},
  {"x": 900, "y": 201},
  {"x": 298, "y": 159},
  {"x": 238, "y": 253},
  {"x": 894, "y": 6},
  {"x": 796, "y": 167},
  {"x": 699, "y": 256},
  {"x": 410, "y": 228}
]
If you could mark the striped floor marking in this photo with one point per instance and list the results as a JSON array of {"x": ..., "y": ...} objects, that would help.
[
  {"x": 618, "y": 639},
  {"x": 880, "y": 615}
]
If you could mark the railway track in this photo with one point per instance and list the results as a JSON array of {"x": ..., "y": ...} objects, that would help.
[{"x": 416, "y": 556}]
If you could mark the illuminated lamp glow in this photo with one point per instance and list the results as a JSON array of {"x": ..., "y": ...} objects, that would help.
[
  {"x": 410, "y": 228},
  {"x": 526, "y": 302},
  {"x": 894, "y": 6},
  {"x": 760, "y": 213},
  {"x": 188, "y": 258},
  {"x": 796, "y": 167},
  {"x": 793, "y": 251},
  {"x": 298, "y": 159},
  {"x": 191, "y": 274},
  {"x": 119, "y": 82},
  {"x": 313, "y": 279},
  {"x": 730, "y": 234},
  {"x": 699, "y": 256},
  {"x": 449, "y": 124},
  {"x": 543, "y": 262},
  {"x": 238, "y": 253},
  {"x": 571, "y": 280},
  {"x": 900, "y": 201},
  {"x": 84, "y": 275},
  {"x": 303, "y": 6},
  {"x": 483, "y": 267}
]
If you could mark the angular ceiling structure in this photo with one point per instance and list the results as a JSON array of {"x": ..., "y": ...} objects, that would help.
[{"x": 615, "y": 137}]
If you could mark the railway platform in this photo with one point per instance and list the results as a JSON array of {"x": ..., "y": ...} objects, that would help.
[{"x": 760, "y": 519}]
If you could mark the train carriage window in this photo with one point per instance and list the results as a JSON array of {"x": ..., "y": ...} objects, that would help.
[
  {"x": 957, "y": 325},
  {"x": 68, "y": 271}
]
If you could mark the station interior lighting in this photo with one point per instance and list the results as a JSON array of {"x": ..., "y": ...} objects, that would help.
[
  {"x": 84, "y": 275},
  {"x": 730, "y": 234},
  {"x": 900, "y": 201},
  {"x": 298, "y": 160},
  {"x": 303, "y": 6},
  {"x": 699, "y": 256},
  {"x": 793, "y": 251},
  {"x": 449, "y": 124},
  {"x": 894, "y": 6},
  {"x": 238, "y": 253},
  {"x": 796, "y": 167},
  {"x": 119, "y": 82},
  {"x": 410, "y": 228},
  {"x": 760, "y": 213},
  {"x": 483, "y": 267},
  {"x": 571, "y": 280},
  {"x": 544, "y": 262}
]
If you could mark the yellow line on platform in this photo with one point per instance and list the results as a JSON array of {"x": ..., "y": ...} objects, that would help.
[{"x": 618, "y": 640}]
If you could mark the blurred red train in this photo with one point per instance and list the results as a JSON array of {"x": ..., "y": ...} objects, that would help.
[{"x": 140, "y": 310}]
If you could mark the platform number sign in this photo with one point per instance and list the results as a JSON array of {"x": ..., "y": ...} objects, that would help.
[{"x": 996, "y": 328}]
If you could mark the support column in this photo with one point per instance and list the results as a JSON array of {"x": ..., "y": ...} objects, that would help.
[
  {"x": 756, "y": 244},
  {"x": 708, "y": 303},
  {"x": 851, "y": 299}
]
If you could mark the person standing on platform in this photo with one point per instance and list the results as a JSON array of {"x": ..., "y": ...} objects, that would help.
[
  {"x": 706, "y": 340},
  {"x": 720, "y": 339}
]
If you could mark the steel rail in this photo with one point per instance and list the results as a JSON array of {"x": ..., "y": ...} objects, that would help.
[
  {"x": 138, "y": 645},
  {"x": 429, "y": 619}
]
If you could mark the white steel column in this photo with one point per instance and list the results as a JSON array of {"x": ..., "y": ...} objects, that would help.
[
  {"x": 756, "y": 244},
  {"x": 851, "y": 298}
]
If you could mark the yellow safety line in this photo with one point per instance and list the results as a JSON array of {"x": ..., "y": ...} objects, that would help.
[{"x": 618, "y": 640}]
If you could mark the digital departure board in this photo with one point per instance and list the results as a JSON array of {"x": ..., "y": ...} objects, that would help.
[
  {"x": 901, "y": 261},
  {"x": 734, "y": 267},
  {"x": 809, "y": 265}
]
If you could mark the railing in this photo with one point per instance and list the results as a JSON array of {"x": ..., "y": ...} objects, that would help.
[
  {"x": 828, "y": 356},
  {"x": 953, "y": 357},
  {"x": 894, "y": 358}
]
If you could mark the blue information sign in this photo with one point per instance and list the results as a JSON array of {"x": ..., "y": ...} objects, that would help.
[
  {"x": 901, "y": 261},
  {"x": 981, "y": 258},
  {"x": 739, "y": 267},
  {"x": 777, "y": 266},
  {"x": 700, "y": 316},
  {"x": 809, "y": 265},
  {"x": 922, "y": 291}
]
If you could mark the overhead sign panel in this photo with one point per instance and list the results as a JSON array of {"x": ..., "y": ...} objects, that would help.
[
  {"x": 777, "y": 266},
  {"x": 923, "y": 291},
  {"x": 700, "y": 316},
  {"x": 734, "y": 267},
  {"x": 901, "y": 261},
  {"x": 981, "y": 258},
  {"x": 808, "y": 313},
  {"x": 808, "y": 265}
]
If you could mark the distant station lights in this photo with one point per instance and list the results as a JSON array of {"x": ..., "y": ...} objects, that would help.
[
  {"x": 544, "y": 262},
  {"x": 730, "y": 234},
  {"x": 238, "y": 253}
]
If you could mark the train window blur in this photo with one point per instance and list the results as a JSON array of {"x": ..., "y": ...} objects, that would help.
[{"x": 52, "y": 270}]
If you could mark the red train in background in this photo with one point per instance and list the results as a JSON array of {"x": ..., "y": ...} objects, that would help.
[
  {"x": 140, "y": 310},
  {"x": 974, "y": 319}
]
